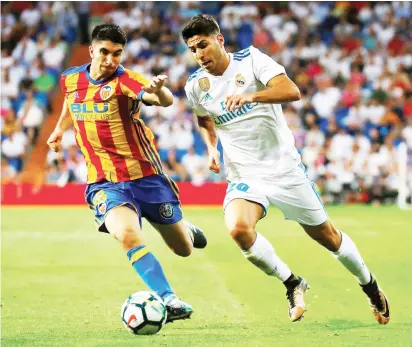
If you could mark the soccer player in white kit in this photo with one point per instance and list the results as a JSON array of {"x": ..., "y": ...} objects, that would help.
[{"x": 237, "y": 99}]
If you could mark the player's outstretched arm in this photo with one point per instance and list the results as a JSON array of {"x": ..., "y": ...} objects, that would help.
[
  {"x": 63, "y": 123},
  {"x": 156, "y": 93},
  {"x": 279, "y": 89},
  {"x": 208, "y": 132}
]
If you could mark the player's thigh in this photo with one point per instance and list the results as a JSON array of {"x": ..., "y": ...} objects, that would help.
[
  {"x": 296, "y": 196},
  {"x": 105, "y": 196},
  {"x": 122, "y": 219},
  {"x": 245, "y": 203},
  {"x": 114, "y": 210},
  {"x": 122, "y": 223},
  {"x": 176, "y": 237}
]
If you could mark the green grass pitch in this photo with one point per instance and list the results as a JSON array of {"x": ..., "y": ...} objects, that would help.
[{"x": 63, "y": 283}]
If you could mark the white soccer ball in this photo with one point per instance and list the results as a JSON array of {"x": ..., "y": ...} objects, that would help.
[{"x": 144, "y": 313}]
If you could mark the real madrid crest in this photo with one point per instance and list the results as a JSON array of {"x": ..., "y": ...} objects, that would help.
[
  {"x": 204, "y": 84},
  {"x": 240, "y": 80},
  {"x": 106, "y": 92}
]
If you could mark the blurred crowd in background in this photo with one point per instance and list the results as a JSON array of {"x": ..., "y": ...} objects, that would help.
[
  {"x": 351, "y": 60},
  {"x": 35, "y": 40}
]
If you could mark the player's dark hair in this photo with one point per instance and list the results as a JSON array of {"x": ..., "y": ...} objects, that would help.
[
  {"x": 109, "y": 32},
  {"x": 201, "y": 24}
]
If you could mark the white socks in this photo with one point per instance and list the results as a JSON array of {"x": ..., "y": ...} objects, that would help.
[
  {"x": 349, "y": 256},
  {"x": 262, "y": 255}
]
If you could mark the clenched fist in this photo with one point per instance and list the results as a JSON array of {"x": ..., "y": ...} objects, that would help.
[{"x": 55, "y": 139}]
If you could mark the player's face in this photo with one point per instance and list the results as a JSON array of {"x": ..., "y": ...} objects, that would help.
[
  {"x": 209, "y": 52},
  {"x": 106, "y": 56}
]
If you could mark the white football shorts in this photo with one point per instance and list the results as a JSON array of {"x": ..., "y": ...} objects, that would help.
[{"x": 293, "y": 193}]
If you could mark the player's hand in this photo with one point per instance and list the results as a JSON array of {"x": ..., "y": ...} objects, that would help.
[
  {"x": 156, "y": 84},
  {"x": 236, "y": 101},
  {"x": 55, "y": 139},
  {"x": 214, "y": 161}
]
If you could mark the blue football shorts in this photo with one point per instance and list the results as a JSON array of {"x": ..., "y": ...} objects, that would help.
[{"x": 155, "y": 198}]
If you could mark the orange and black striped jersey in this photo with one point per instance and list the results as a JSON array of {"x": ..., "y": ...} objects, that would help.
[{"x": 116, "y": 143}]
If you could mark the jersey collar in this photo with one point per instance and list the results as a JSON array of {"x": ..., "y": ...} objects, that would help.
[{"x": 119, "y": 71}]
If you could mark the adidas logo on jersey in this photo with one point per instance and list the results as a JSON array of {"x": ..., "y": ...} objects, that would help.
[{"x": 208, "y": 97}]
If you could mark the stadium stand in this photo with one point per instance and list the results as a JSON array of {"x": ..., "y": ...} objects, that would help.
[{"x": 351, "y": 60}]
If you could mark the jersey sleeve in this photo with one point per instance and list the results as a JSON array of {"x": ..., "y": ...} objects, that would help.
[
  {"x": 68, "y": 83},
  {"x": 264, "y": 67},
  {"x": 63, "y": 84},
  {"x": 132, "y": 83},
  {"x": 198, "y": 109}
]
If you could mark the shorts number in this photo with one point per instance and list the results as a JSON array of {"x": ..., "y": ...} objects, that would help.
[
  {"x": 242, "y": 187},
  {"x": 230, "y": 188}
]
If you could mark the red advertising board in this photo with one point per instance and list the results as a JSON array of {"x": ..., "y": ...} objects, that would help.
[{"x": 73, "y": 194}]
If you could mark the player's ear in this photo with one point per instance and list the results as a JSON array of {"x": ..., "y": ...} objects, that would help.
[
  {"x": 220, "y": 39},
  {"x": 91, "y": 51}
]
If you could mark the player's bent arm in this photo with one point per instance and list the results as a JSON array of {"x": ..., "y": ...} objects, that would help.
[
  {"x": 64, "y": 121},
  {"x": 280, "y": 89},
  {"x": 163, "y": 97},
  {"x": 208, "y": 132}
]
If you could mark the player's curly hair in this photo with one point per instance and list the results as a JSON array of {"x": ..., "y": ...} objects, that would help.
[
  {"x": 109, "y": 32},
  {"x": 201, "y": 24}
]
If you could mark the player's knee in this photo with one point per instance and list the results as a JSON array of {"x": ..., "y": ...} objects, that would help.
[
  {"x": 128, "y": 237},
  {"x": 241, "y": 230}
]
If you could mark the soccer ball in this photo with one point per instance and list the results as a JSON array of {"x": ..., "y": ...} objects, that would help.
[{"x": 144, "y": 313}]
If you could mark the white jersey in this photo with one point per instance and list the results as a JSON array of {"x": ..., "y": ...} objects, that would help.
[{"x": 256, "y": 139}]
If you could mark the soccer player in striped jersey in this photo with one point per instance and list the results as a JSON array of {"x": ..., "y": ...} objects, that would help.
[
  {"x": 237, "y": 97},
  {"x": 125, "y": 177}
]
